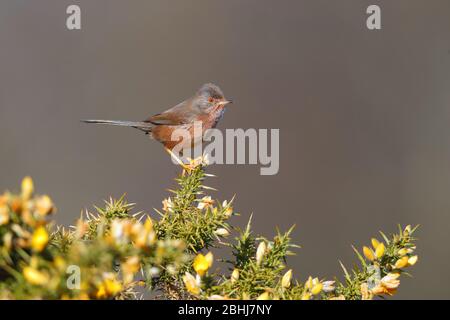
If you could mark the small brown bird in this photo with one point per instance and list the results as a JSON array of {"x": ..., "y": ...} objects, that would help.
[{"x": 206, "y": 107}]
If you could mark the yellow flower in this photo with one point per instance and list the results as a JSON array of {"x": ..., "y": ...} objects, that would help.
[
  {"x": 216, "y": 297},
  {"x": 235, "y": 276},
  {"x": 39, "y": 239},
  {"x": 366, "y": 294},
  {"x": 263, "y": 296},
  {"x": 205, "y": 202},
  {"x": 82, "y": 296},
  {"x": 7, "y": 241},
  {"x": 388, "y": 284},
  {"x": 192, "y": 284},
  {"x": 59, "y": 263},
  {"x": 112, "y": 286},
  {"x": 44, "y": 206},
  {"x": 4, "y": 198},
  {"x": 129, "y": 268},
  {"x": 81, "y": 228},
  {"x": 379, "y": 252},
  {"x": 407, "y": 230},
  {"x": 222, "y": 232},
  {"x": 194, "y": 163},
  {"x": 4, "y": 215},
  {"x": 402, "y": 252},
  {"x": 228, "y": 212},
  {"x": 401, "y": 263},
  {"x": 368, "y": 253},
  {"x": 168, "y": 205},
  {"x": 306, "y": 296},
  {"x": 309, "y": 283},
  {"x": 27, "y": 188},
  {"x": 101, "y": 292},
  {"x": 148, "y": 224},
  {"x": 16, "y": 205},
  {"x": 411, "y": 249},
  {"x": 313, "y": 285},
  {"x": 286, "y": 280},
  {"x": 202, "y": 263},
  {"x": 317, "y": 288},
  {"x": 413, "y": 260},
  {"x": 375, "y": 243},
  {"x": 109, "y": 287},
  {"x": 34, "y": 276},
  {"x": 28, "y": 218},
  {"x": 341, "y": 297},
  {"x": 260, "y": 252}
]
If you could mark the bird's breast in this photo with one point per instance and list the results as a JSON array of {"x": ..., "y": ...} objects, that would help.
[{"x": 216, "y": 115}]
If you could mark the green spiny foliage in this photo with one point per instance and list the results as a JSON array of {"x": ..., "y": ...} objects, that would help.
[
  {"x": 189, "y": 218},
  {"x": 116, "y": 251}
]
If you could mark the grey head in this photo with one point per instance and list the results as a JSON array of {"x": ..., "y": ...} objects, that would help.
[{"x": 209, "y": 96}]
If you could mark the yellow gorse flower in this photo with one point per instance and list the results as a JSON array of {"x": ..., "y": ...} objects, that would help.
[
  {"x": 4, "y": 215},
  {"x": 130, "y": 267},
  {"x": 368, "y": 253},
  {"x": 109, "y": 287},
  {"x": 168, "y": 205},
  {"x": 340, "y": 297},
  {"x": 317, "y": 288},
  {"x": 260, "y": 251},
  {"x": 191, "y": 283},
  {"x": 286, "y": 280},
  {"x": 309, "y": 283},
  {"x": 375, "y": 243},
  {"x": 222, "y": 232},
  {"x": 59, "y": 263},
  {"x": 27, "y": 188},
  {"x": 401, "y": 263},
  {"x": 202, "y": 263},
  {"x": 101, "y": 292},
  {"x": 366, "y": 294},
  {"x": 306, "y": 296},
  {"x": 205, "y": 202},
  {"x": 113, "y": 286},
  {"x": 413, "y": 260},
  {"x": 39, "y": 239},
  {"x": 44, "y": 206},
  {"x": 217, "y": 297},
  {"x": 34, "y": 276},
  {"x": 228, "y": 212},
  {"x": 407, "y": 230},
  {"x": 314, "y": 286},
  {"x": 264, "y": 296},
  {"x": 379, "y": 251},
  {"x": 235, "y": 275},
  {"x": 387, "y": 285}
]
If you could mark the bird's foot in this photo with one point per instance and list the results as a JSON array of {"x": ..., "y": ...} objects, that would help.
[{"x": 185, "y": 167}]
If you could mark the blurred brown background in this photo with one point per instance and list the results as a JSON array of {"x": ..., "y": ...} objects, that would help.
[{"x": 363, "y": 115}]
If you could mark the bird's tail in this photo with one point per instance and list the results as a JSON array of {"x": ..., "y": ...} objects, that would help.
[{"x": 141, "y": 125}]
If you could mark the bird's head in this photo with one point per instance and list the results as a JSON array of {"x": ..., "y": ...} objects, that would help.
[{"x": 210, "y": 96}]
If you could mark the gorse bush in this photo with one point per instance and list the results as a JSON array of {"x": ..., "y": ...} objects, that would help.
[{"x": 113, "y": 253}]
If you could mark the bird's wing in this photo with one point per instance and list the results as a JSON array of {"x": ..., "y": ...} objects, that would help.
[
  {"x": 165, "y": 118},
  {"x": 180, "y": 114}
]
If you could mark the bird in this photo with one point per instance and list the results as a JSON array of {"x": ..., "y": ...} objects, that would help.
[{"x": 206, "y": 107}]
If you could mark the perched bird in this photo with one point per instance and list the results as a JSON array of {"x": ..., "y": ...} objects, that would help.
[{"x": 206, "y": 108}]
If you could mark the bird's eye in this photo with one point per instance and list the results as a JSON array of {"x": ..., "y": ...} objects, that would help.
[{"x": 211, "y": 99}]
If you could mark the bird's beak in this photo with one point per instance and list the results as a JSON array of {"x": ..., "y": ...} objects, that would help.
[{"x": 225, "y": 102}]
